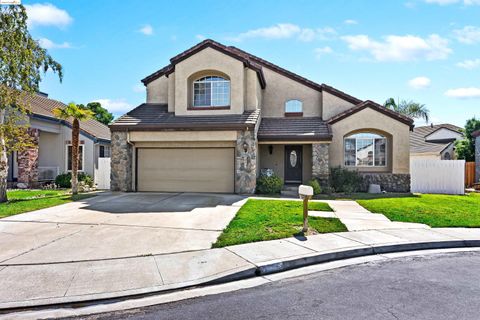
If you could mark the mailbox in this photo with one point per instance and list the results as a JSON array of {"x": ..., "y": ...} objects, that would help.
[{"x": 305, "y": 193}]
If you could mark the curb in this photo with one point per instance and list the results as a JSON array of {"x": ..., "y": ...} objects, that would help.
[{"x": 258, "y": 270}]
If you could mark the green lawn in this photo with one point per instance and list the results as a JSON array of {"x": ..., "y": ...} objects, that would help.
[
  {"x": 20, "y": 201},
  {"x": 260, "y": 220},
  {"x": 431, "y": 209}
]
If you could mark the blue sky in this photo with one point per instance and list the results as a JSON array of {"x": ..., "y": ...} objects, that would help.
[{"x": 423, "y": 50}]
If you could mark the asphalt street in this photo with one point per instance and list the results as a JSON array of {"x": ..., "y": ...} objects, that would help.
[{"x": 442, "y": 286}]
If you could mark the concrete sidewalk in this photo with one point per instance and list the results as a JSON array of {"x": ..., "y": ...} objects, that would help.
[{"x": 29, "y": 285}]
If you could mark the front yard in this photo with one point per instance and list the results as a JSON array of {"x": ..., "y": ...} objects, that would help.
[
  {"x": 432, "y": 209},
  {"x": 260, "y": 220},
  {"x": 20, "y": 201}
]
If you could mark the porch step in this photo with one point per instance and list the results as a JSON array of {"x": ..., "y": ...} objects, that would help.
[{"x": 290, "y": 191}]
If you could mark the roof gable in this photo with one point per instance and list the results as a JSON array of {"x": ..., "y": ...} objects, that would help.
[{"x": 443, "y": 133}]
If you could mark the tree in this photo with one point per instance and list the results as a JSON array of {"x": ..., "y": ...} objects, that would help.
[
  {"x": 465, "y": 148},
  {"x": 22, "y": 61},
  {"x": 411, "y": 109},
  {"x": 75, "y": 113},
  {"x": 100, "y": 113}
]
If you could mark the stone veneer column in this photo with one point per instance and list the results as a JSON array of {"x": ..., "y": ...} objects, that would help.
[
  {"x": 28, "y": 161},
  {"x": 320, "y": 162},
  {"x": 245, "y": 162},
  {"x": 121, "y": 162},
  {"x": 477, "y": 159}
]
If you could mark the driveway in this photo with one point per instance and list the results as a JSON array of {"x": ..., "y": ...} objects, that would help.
[{"x": 116, "y": 225}]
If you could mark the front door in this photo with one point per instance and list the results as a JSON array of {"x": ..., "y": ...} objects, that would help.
[{"x": 293, "y": 164}]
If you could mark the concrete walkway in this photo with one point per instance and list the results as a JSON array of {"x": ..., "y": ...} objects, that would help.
[
  {"x": 27, "y": 285},
  {"x": 357, "y": 218}
]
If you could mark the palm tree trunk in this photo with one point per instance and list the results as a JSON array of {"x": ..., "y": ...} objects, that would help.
[
  {"x": 3, "y": 162},
  {"x": 75, "y": 143}
]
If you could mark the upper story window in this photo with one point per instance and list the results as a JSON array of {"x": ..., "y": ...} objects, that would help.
[
  {"x": 365, "y": 150},
  {"x": 293, "y": 106},
  {"x": 211, "y": 91}
]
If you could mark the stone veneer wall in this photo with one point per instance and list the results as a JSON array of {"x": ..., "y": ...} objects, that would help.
[
  {"x": 320, "y": 162},
  {"x": 28, "y": 161},
  {"x": 477, "y": 159},
  {"x": 121, "y": 162},
  {"x": 389, "y": 182},
  {"x": 245, "y": 162}
]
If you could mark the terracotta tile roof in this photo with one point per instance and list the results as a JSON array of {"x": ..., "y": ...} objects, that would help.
[
  {"x": 156, "y": 117},
  {"x": 376, "y": 107},
  {"x": 294, "y": 129},
  {"x": 251, "y": 61},
  {"x": 419, "y": 145},
  {"x": 42, "y": 106}
]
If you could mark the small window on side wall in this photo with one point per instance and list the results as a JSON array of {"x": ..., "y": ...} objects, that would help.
[
  {"x": 69, "y": 157},
  {"x": 293, "y": 106},
  {"x": 104, "y": 152}
]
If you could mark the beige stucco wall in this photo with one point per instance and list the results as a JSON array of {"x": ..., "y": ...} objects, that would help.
[
  {"x": 425, "y": 156},
  {"x": 253, "y": 90},
  {"x": 172, "y": 136},
  {"x": 332, "y": 105},
  {"x": 281, "y": 89},
  {"x": 397, "y": 134},
  {"x": 157, "y": 90},
  {"x": 276, "y": 160},
  {"x": 200, "y": 63}
]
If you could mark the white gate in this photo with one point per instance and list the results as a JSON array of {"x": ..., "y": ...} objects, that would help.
[
  {"x": 102, "y": 174},
  {"x": 438, "y": 176}
]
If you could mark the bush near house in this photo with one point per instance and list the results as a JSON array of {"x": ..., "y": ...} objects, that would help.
[
  {"x": 269, "y": 184},
  {"x": 317, "y": 189},
  {"x": 64, "y": 180},
  {"x": 344, "y": 180}
]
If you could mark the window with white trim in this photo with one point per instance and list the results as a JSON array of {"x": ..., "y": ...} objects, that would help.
[
  {"x": 365, "y": 150},
  {"x": 293, "y": 106},
  {"x": 69, "y": 157},
  {"x": 104, "y": 151},
  {"x": 211, "y": 91}
]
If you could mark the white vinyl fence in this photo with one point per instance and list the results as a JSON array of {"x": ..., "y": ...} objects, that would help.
[
  {"x": 102, "y": 174},
  {"x": 438, "y": 176}
]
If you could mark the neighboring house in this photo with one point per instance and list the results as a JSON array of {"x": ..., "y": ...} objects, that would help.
[
  {"x": 216, "y": 116},
  {"x": 435, "y": 142},
  {"x": 51, "y": 154},
  {"x": 476, "y": 135}
]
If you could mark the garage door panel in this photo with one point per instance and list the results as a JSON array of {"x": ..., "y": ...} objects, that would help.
[{"x": 186, "y": 170}]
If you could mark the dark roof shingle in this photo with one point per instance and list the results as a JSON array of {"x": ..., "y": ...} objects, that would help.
[
  {"x": 156, "y": 117},
  {"x": 293, "y": 129}
]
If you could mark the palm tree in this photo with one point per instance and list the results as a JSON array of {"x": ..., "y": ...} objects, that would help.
[
  {"x": 409, "y": 108},
  {"x": 76, "y": 113}
]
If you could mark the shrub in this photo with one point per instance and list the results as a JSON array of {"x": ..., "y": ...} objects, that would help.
[
  {"x": 269, "y": 184},
  {"x": 63, "y": 180},
  {"x": 344, "y": 180},
  {"x": 316, "y": 186}
]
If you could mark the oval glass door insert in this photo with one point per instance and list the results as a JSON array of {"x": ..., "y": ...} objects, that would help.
[{"x": 293, "y": 158}]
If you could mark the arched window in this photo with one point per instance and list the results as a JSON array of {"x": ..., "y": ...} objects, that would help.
[
  {"x": 365, "y": 150},
  {"x": 293, "y": 106},
  {"x": 211, "y": 91}
]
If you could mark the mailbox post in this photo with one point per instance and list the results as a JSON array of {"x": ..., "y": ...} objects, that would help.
[{"x": 305, "y": 193}]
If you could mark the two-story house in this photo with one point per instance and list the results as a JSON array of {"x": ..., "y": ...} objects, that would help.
[{"x": 216, "y": 116}]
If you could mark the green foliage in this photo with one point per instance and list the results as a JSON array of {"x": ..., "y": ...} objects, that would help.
[
  {"x": 75, "y": 111},
  {"x": 100, "y": 113},
  {"x": 269, "y": 184},
  {"x": 410, "y": 109},
  {"x": 64, "y": 180},
  {"x": 344, "y": 180},
  {"x": 465, "y": 148},
  {"x": 316, "y": 186}
]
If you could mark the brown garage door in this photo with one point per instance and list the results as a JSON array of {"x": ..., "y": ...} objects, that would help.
[{"x": 185, "y": 170}]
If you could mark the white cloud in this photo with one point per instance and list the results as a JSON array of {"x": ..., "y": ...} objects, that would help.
[
  {"x": 469, "y": 64},
  {"x": 138, "y": 88},
  {"x": 200, "y": 37},
  {"x": 49, "y": 44},
  {"x": 322, "y": 51},
  {"x": 401, "y": 48},
  {"x": 286, "y": 31},
  {"x": 350, "y": 21},
  {"x": 419, "y": 83},
  {"x": 146, "y": 30},
  {"x": 447, "y": 2},
  {"x": 468, "y": 34},
  {"x": 47, "y": 14},
  {"x": 463, "y": 93},
  {"x": 116, "y": 106}
]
